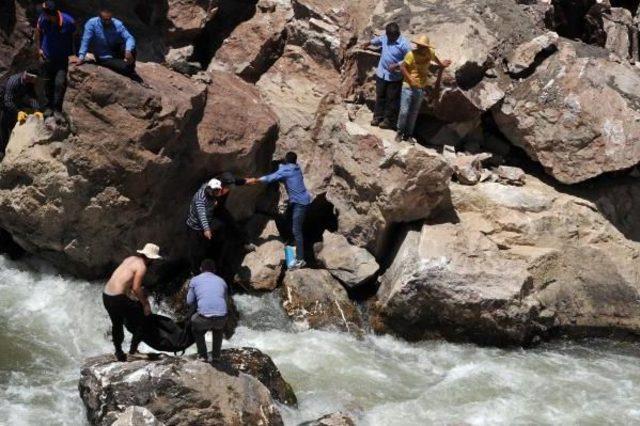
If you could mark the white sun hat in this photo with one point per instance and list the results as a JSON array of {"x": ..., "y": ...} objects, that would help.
[
  {"x": 151, "y": 251},
  {"x": 214, "y": 184}
]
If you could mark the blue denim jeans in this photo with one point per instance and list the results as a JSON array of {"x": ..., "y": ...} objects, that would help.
[
  {"x": 410, "y": 103},
  {"x": 298, "y": 212}
]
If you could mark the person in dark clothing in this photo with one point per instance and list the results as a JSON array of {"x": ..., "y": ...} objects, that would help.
[
  {"x": 54, "y": 37},
  {"x": 18, "y": 95},
  {"x": 290, "y": 174},
  {"x": 210, "y": 225},
  {"x": 123, "y": 311},
  {"x": 111, "y": 43},
  {"x": 208, "y": 292},
  {"x": 394, "y": 48}
]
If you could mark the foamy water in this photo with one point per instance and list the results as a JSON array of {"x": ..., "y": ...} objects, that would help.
[{"x": 49, "y": 324}]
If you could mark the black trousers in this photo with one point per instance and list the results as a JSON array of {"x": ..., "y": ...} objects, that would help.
[
  {"x": 55, "y": 74},
  {"x": 8, "y": 120},
  {"x": 200, "y": 326},
  {"x": 119, "y": 65},
  {"x": 124, "y": 312},
  {"x": 387, "y": 100}
]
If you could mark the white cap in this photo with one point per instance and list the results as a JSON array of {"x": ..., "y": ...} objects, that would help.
[{"x": 214, "y": 184}]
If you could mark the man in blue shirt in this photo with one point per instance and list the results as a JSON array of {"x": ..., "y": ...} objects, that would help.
[
  {"x": 209, "y": 293},
  {"x": 299, "y": 199},
  {"x": 388, "y": 76},
  {"x": 54, "y": 37},
  {"x": 111, "y": 43}
]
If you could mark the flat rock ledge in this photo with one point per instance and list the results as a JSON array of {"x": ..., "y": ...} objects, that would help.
[{"x": 242, "y": 388}]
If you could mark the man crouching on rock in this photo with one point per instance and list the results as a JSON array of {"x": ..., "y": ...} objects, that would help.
[{"x": 127, "y": 279}]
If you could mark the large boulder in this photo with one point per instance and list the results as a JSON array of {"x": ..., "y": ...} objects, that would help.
[
  {"x": 187, "y": 19},
  {"x": 16, "y": 51},
  {"x": 521, "y": 263},
  {"x": 176, "y": 391},
  {"x": 256, "y": 44},
  {"x": 314, "y": 299},
  {"x": 86, "y": 199},
  {"x": 378, "y": 183},
  {"x": 577, "y": 114},
  {"x": 351, "y": 265}
]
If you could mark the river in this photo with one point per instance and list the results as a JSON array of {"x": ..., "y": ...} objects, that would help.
[{"x": 49, "y": 324}]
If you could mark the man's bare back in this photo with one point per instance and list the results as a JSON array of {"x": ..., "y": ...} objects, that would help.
[{"x": 122, "y": 279}]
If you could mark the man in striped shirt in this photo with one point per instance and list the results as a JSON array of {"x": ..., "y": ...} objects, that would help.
[
  {"x": 17, "y": 95},
  {"x": 210, "y": 223}
]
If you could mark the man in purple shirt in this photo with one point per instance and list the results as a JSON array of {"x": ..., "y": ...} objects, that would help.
[{"x": 388, "y": 76}]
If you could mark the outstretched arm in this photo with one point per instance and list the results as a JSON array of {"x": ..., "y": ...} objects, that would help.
[{"x": 139, "y": 291}]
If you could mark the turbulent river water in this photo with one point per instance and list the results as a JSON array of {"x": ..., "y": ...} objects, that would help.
[{"x": 49, "y": 324}]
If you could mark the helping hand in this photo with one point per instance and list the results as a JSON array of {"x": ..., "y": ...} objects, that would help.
[
  {"x": 446, "y": 63},
  {"x": 78, "y": 61},
  {"x": 147, "y": 310},
  {"x": 208, "y": 234}
]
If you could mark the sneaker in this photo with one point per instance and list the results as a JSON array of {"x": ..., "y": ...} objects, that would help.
[
  {"x": 386, "y": 125},
  {"x": 299, "y": 264},
  {"x": 121, "y": 356},
  {"x": 375, "y": 122}
]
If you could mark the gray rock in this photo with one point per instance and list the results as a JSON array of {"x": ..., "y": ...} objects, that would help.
[
  {"x": 133, "y": 416},
  {"x": 511, "y": 175},
  {"x": 333, "y": 419},
  {"x": 524, "y": 56},
  {"x": 176, "y": 391},
  {"x": 314, "y": 299},
  {"x": 178, "y": 60},
  {"x": 351, "y": 265}
]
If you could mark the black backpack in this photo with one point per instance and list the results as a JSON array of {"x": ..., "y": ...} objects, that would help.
[{"x": 164, "y": 334}]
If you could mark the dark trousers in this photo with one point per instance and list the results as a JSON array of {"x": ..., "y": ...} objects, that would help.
[
  {"x": 387, "y": 100},
  {"x": 124, "y": 311},
  {"x": 298, "y": 213},
  {"x": 8, "y": 120},
  {"x": 200, "y": 326},
  {"x": 55, "y": 74},
  {"x": 119, "y": 65}
]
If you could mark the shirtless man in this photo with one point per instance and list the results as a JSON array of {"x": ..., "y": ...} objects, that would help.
[{"x": 127, "y": 279}]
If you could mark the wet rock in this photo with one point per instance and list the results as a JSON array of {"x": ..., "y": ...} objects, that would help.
[
  {"x": 85, "y": 200},
  {"x": 262, "y": 268},
  {"x": 315, "y": 299},
  {"x": 333, "y": 419},
  {"x": 255, "y": 44},
  {"x": 176, "y": 391},
  {"x": 524, "y": 56},
  {"x": 512, "y": 270},
  {"x": 351, "y": 265},
  {"x": 133, "y": 416},
  {"x": 577, "y": 114},
  {"x": 255, "y": 363},
  {"x": 378, "y": 183}
]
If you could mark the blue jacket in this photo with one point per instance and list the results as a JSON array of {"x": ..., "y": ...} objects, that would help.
[
  {"x": 56, "y": 40},
  {"x": 392, "y": 53},
  {"x": 209, "y": 292},
  {"x": 102, "y": 41},
  {"x": 293, "y": 180}
]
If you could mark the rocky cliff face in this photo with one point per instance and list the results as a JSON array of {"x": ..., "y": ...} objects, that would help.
[{"x": 512, "y": 221}]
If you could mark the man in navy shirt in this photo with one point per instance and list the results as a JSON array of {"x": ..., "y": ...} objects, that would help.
[
  {"x": 111, "y": 43},
  {"x": 388, "y": 76},
  {"x": 54, "y": 37},
  {"x": 17, "y": 95},
  {"x": 290, "y": 174}
]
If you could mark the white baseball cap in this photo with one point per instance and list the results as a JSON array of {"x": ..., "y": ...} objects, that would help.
[{"x": 214, "y": 184}]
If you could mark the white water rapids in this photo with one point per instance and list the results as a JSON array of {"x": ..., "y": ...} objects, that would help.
[{"x": 49, "y": 324}]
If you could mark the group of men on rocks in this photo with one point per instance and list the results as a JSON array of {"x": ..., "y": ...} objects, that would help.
[
  {"x": 104, "y": 36},
  {"x": 401, "y": 79},
  {"x": 210, "y": 227}
]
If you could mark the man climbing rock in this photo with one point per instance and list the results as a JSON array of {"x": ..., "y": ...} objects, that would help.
[
  {"x": 54, "y": 38},
  {"x": 126, "y": 281},
  {"x": 18, "y": 96},
  {"x": 111, "y": 44},
  {"x": 415, "y": 70},
  {"x": 394, "y": 47},
  {"x": 290, "y": 174},
  {"x": 210, "y": 225},
  {"x": 208, "y": 292}
]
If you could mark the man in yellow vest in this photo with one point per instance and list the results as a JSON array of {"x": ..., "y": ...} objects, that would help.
[{"x": 415, "y": 70}]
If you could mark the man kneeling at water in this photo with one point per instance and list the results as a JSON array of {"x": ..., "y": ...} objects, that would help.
[
  {"x": 209, "y": 293},
  {"x": 126, "y": 279}
]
